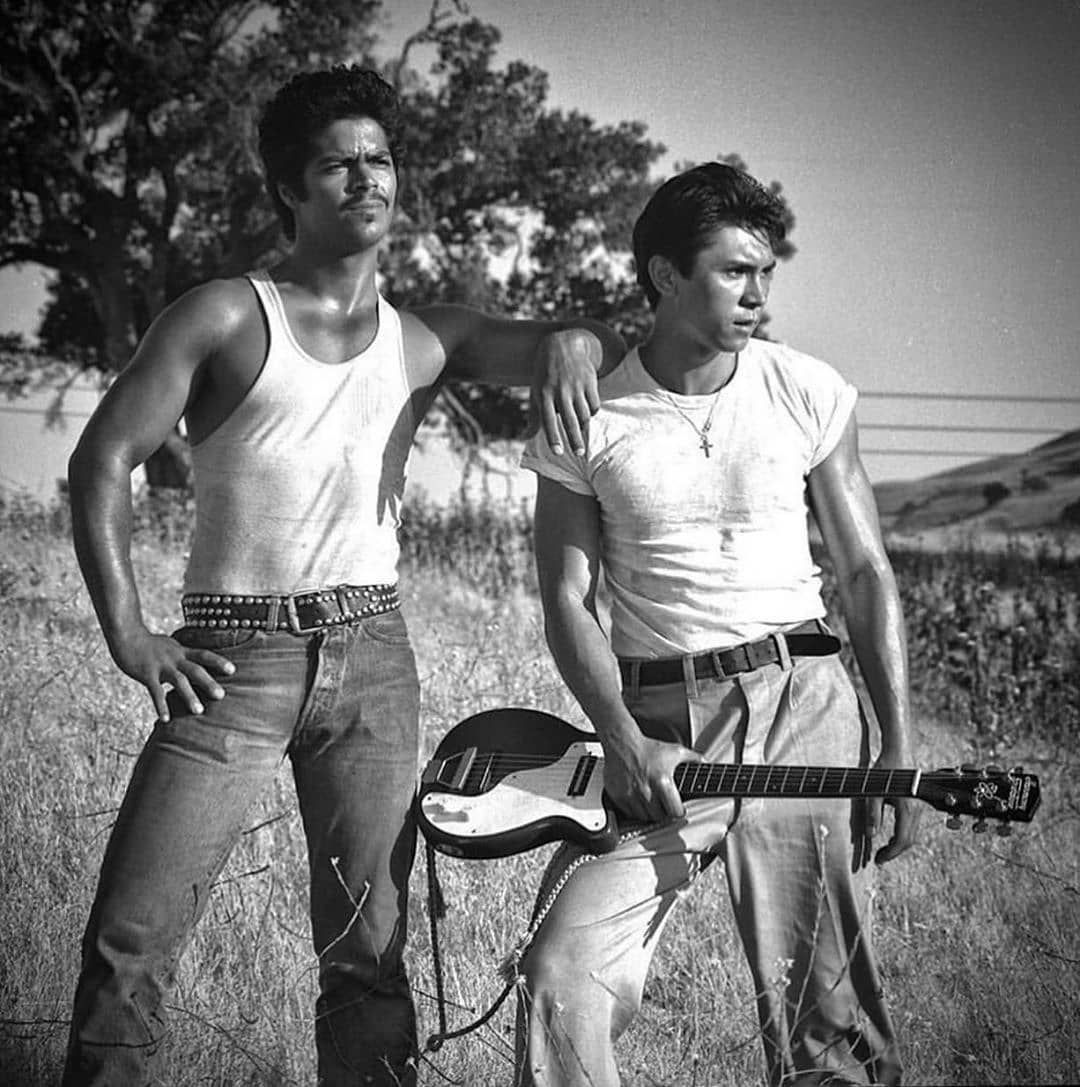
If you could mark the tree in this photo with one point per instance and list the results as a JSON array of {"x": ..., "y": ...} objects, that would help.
[
  {"x": 491, "y": 172},
  {"x": 127, "y": 159},
  {"x": 129, "y": 166},
  {"x": 994, "y": 493}
]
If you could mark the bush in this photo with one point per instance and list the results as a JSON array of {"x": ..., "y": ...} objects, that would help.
[
  {"x": 1070, "y": 515},
  {"x": 995, "y": 492}
]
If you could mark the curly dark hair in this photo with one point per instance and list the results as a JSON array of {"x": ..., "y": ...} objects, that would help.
[
  {"x": 303, "y": 107},
  {"x": 683, "y": 214}
]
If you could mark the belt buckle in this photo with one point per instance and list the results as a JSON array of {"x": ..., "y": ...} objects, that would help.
[
  {"x": 294, "y": 618},
  {"x": 739, "y": 658}
]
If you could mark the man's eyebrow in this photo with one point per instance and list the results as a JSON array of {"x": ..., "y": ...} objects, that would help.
[
  {"x": 351, "y": 152},
  {"x": 744, "y": 265}
]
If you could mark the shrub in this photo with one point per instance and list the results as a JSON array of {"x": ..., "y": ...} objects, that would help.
[{"x": 995, "y": 492}]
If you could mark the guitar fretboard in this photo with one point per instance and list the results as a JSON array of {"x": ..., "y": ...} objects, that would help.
[{"x": 734, "y": 779}]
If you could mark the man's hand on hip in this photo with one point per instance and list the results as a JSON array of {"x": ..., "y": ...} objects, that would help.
[{"x": 155, "y": 660}]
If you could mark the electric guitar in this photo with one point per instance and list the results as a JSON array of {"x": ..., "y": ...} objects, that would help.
[{"x": 508, "y": 780}]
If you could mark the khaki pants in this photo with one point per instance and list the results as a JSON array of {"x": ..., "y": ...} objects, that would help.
[{"x": 801, "y": 910}]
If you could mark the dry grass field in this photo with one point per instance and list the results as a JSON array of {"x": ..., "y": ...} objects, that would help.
[{"x": 978, "y": 935}]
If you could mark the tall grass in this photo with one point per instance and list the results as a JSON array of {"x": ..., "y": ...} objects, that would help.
[{"x": 977, "y": 935}]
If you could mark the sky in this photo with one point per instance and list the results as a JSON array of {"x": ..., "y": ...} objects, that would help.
[{"x": 930, "y": 152}]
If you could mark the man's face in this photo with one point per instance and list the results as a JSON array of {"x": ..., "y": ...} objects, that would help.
[
  {"x": 350, "y": 185},
  {"x": 724, "y": 296}
]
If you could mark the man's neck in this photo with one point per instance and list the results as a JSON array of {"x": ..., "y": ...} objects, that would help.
[
  {"x": 684, "y": 367},
  {"x": 345, "y": 283}
]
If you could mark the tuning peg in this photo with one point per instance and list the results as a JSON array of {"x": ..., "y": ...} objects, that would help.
[
  {"x": 1004, "y": 830},
  {"x": 1018, "y": 770},
  {"x": 993, "y": 769},
  {"x": 980, "y": 826},
  {"x": 953, "y": 822},
  {"x": 968, "y": 768}
]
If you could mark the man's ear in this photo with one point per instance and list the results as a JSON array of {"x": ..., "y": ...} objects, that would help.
[
  {"x": 662, "y": 273},
  {"x": 288, "y": 197}
]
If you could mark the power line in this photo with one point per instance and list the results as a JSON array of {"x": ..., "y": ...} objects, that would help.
[
  {"x": 952, "y": 428},
  {"x": 937, "y": 428},
  {"x": 993, "y": 398},
  {"x": 981, "y": 454}
]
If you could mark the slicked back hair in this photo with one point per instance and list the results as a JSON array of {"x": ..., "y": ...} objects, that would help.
[
  {"x": 682, "y": 216},
  {"x": 303, "y": 107}
]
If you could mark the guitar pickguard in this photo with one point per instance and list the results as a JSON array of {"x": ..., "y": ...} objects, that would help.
[{"x": 521, "y": 798}]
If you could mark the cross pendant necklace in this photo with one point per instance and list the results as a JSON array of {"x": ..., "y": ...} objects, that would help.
[{"x": 703, "y": 430}]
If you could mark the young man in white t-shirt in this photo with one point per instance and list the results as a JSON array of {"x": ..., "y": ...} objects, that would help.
[{"x": 692, "y": 499}]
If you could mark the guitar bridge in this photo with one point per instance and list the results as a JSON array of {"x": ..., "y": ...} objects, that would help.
[{"x": 452, "y": 772}]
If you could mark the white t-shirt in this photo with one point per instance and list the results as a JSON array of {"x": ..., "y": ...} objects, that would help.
[{"x": 702, "y": 552}]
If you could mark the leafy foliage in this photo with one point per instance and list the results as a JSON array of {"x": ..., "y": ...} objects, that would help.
[
  {"x": 127, "y": 154},
  {"x": 493, "y": 175},
  {"x": 994, "y": 641},
  {"x": 129, "y": 166}
]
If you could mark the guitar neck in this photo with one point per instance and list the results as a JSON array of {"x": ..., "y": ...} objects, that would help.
[{"x": 696, "y": 780}]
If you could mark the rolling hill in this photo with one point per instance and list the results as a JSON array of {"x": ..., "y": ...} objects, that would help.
[{"x": 1023, "y": 492}]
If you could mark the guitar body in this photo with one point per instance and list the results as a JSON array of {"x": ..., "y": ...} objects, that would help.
[
  {"x": 508, "y": 780},
  {"x": 480, "y": 797}
]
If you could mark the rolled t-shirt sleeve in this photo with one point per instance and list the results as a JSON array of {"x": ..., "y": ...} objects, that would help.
[
  {"x": 832, "y": 410},
  {"x": 568, "y": 469}
]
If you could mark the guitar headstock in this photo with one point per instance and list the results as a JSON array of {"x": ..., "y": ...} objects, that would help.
[{"x": 1009, "y": 796}]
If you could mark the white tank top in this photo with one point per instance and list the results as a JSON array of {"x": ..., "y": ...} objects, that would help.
[{"x": 301, "y": 486}]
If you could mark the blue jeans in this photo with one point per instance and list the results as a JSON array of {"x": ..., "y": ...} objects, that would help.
[{"x": 344, "y": 705}]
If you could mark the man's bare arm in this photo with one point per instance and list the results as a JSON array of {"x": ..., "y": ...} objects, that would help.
[
  {"x": 560, "y": 360},
  {"x": 138, "y": 412},
  {"x": 844, "y": 507},
  {"x": 638, "y": 770}
]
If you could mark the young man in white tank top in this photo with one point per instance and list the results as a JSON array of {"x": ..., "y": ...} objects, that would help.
[
  {"x": 701, "y": 466},
  {"x": 301, "y": 389}
]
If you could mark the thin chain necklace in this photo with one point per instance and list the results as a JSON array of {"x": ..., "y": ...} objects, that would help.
[{"x": 701, "y": 431}]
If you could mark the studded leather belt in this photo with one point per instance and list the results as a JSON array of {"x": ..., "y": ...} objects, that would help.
[
  {"x": 807, "y": 640},
  {"x": 299, "y": 613}
]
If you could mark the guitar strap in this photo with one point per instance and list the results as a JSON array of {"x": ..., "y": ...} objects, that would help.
[
  {"x": 436, "y": 912},
  {"x": 508, "y": 968}
]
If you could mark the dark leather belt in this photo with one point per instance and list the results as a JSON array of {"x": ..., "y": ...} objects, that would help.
[
  {"x": 299, "y": 613},
  {"x": 805, "y": 641}
]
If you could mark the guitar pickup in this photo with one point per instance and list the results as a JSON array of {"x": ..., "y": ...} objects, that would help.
[{"x": 582, "y": 773}]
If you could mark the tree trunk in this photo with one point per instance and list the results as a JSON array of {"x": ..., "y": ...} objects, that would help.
[
  {"x": 169, "y": 467},
  {"x": 112, "y": 297}
]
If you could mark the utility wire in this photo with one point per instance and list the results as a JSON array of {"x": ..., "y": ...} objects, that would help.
[
  {"x": 982, "y": 454},
  {"x": 992, "y": 398},
  {"x": 952, "y": 428}
]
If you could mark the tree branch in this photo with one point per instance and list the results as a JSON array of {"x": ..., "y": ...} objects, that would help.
[
  {"x": 436, "y": 17},
  {"x": 62, "y": 260},
  {"x": 229, "y": 24},
  {"x": 465, "y": 418},
  {"x": 66, "y": 86}
]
